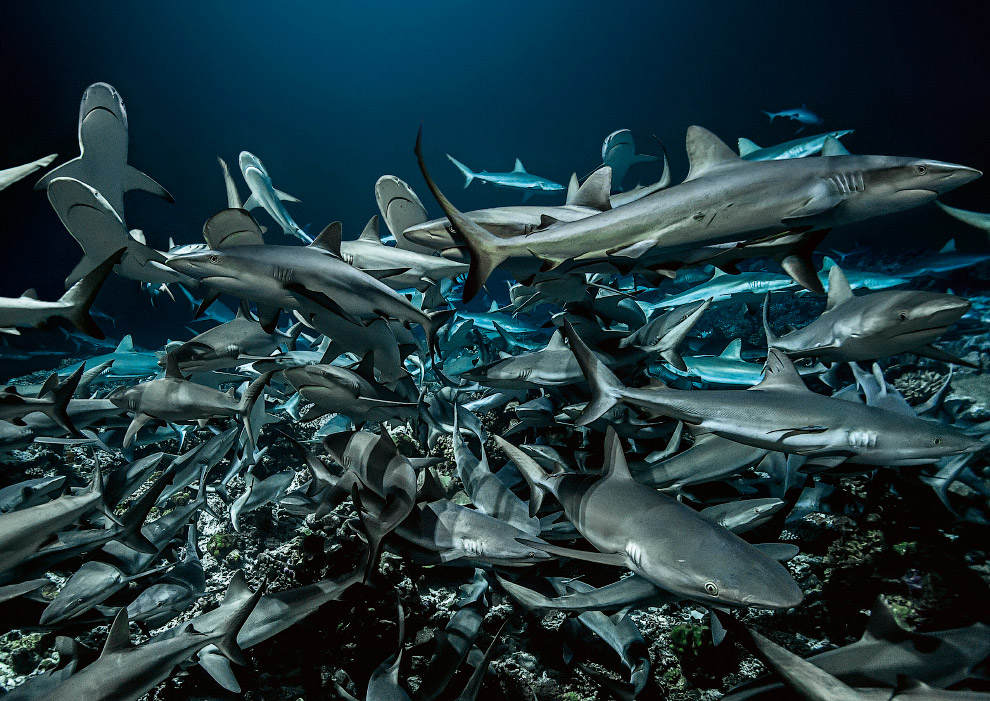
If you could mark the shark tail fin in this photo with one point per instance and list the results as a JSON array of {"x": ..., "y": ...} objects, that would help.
[
  {"x": 771, "y": 115},
  {"x": 61, "y": 394},
  {"x": 250, "y": 396},
  {"x": 531, "y": 472},
  {"x": 467, "y": 172},
  {"x": 435, "y": 321},
  {"x": 242, "y": 602},
  {"x": 81, "y": 295},
  {"x": 487, "y": 250},
  {"x": 606, "y": 389}
]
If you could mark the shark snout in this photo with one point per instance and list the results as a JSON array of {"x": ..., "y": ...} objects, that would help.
[{"x": 953, "y": 176}]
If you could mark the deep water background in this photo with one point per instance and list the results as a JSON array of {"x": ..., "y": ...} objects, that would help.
[{"x": 329, "y": 96}]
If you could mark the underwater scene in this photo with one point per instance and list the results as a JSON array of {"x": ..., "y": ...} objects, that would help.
[{"x": 450, "y": 351}]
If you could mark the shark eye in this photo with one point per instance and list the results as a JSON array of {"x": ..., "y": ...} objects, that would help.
[
  {"x": 214, "y": 259},
  {"x": 922, "y": 170},
  {"x": 711, "y": 588},
  {"x": 936, "y": 441},
  {"x": 903, "y": 316}
]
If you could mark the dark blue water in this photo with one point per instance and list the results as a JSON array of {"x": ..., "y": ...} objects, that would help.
[{"x": 329, "y": 96}]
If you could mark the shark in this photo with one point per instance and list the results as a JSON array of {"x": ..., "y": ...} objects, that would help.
[
  {"x": 354, "y": 393},
  {"x": 127, "y": 671},
  {"x": 9, "y": 176},
  {"x": 103, "y": 143},
  {"x": 73, "y": 307},
  {"x": 302, "y": 278},
  {"x": 99, "y": 229},
  {"x": 979, "y": 220},
  {"x": 796, "y": 148},
  {"x": 124, "y": 362},
  {"x": 860, "y": 279},
  {"x": 264, "y": 194},
  {"x": 52, "y": 400},
  {"x": 727, "y": 368},
  {"x": 630, "y": 525},
  {"x": 947, "y": 259},
  {"x": 173, "y": 593},
  {"x": 619, "y": 153},
  {"x": 723, "y": 287},
  {"x": 517, "y": 178},
  {"x": 781, "y": 414},
  {"x": 398, "y": 268},
  {"x": 743, "y": 201},
  {"x": 870, "y": 326},
  {"x": 174, "y": 399},
  {"x": 802, "y": 115},
  {"x": 401, "y": 209}
]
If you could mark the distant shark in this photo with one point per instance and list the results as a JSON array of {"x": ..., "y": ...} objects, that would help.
[
  {"x": 802, "y": 115},
  {"x": 264, "y": 194},
  {"x": 518, "y": 178},
  {"x": 619, "y": 152},
  {"x": 796, "y": 148}
]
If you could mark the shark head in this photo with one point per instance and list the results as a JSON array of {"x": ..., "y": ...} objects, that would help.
[
  {"x": 101, "y": 96},
  {"x": 437, "y": 234},
  {"x": 127, "y": 398},
  {"x": 549, "y": 185},
  {"x": 251, "y": 164},
  {"x": 911, "y": 318},
  {"x": 891, "y": 184},
  {"x": 224, "y": 271}
]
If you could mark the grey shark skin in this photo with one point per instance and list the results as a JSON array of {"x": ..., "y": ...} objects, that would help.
[
  {"x": 742, "y": 201},
  {"x": 796, "y": 148},
  {"x": 401, "y": 209},
  {"x": 52, "y": 400},
  {"x": 619, "y": 153},
  {"x": 406, "y": 269},
  {"x": 886, "y": 652},
  {"x": 126, "y": 671},
  {"x": 723, "y": 287},
  {"x": 802, "y": 115},
  {"x": 102, "y": 160},
  {"x": 264, "y": 194},
  {"x": 633, "y": 591},
  {"x": 174, "y": 399},
  {"x": 29, "y": 311},
  {"x": 781, "y": 414},
  {"x": 304, "y": 277},
  {"x": 870, "y": 326},
  {"x": 633, "y": 526},
  {"x": 29, "y": 493},
  {"x": 945, "y": 261},
  {"x": 517, "y": 178},
  {"x": 91, "y": 220},
  {"x": 591, "y": 198},
  {"x": 9, "y": 176},
  {"x": 223, "y": 346},
  {"x": 340, "y": 390}
]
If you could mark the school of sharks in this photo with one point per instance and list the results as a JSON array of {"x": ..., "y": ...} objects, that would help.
[{"x": 685, "y": 405}]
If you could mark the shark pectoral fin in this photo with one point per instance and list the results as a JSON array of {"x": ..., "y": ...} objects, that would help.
[
  {"x": 634, "y": 250},
  {"x": 718, "y": 630},
  {"x": 937, "y": 353},
  {"x": 137, "y": 423},
  {"x": 383, "y": 273},
  {"x": 322, "y": 300},
  {"x": 800, "y": 431},
  {"x": 819, "y": 204},
  {"x": 285, "y": 196},
  {"x": 674, "y": 358},
  {"x": 218, "y": 667},
  {"x": 251, "y": 202},
  {"x": 615, "y": 559},
  {"x": 134, "y": 179},
  {"x": 781, "y": 552}
]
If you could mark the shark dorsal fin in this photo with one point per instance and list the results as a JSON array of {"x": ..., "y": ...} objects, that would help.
[
  {"x": 126, "y": 345},
  {"x": 172, "y": 367},
  {"x": 747, "y": 147},
  {"x": 779, "y": 373},
  {"x": 839, "y": 290},
  {"x": 557, "y": 341},
  {"x": 882, "y": 624},
  {"x": 572, "y": 189},
  {"x": 519, "y": 167},
  {"x": 950, "y": 247},
  {"x": 329, "y": 239},
  {"x": 833, "y": 147},
  {"x": 119, "y": 638},
  {"x": 594, "y": 192},
  {"x": 718, "y": 272},
  {"x": 237, "y": 589},
  {"x": 827, "y": 264},
  {"x": 706, "y": 152},
  {"x": 546, "y": 221},
  {"x": 494, "y": 307},
  {"x": 138, "y": 235},
  {"x": 615, "y": 465},
  {"x": 30, "y": 293},
  {"x": 370, "y": 232},
  {"x": 733, "y": 350}
]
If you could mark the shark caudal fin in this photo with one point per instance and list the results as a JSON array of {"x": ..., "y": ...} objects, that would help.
[
  {"x": 81, "y": 295},
  {"x": 436, "y": 321},
  {"x": 531, "y": 472},
  {"x": 487, "y": 250},
  {"x": 240, "y": 602},
  {"x": 61, "y": 393},
  {"x": 467, "y": 172},
  {"x": 771, "y": 115},
  {"x": 606, "y": 389},
  {"x": 250, "y": 396}
]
